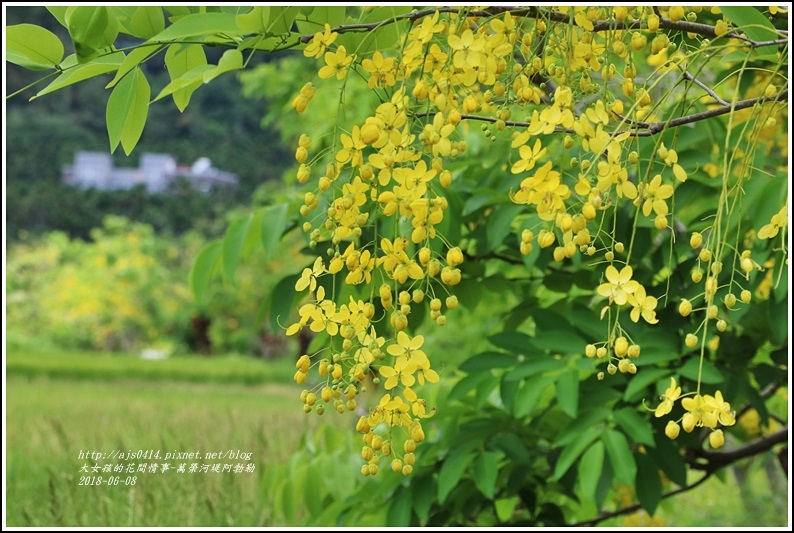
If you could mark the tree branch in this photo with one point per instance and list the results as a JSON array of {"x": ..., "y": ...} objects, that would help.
[
  {"x": 636, "y": 507},
  {"x": 646, "y": 129},
  {"x": 656, "y": 127},
  {"x": 716, "y": 460},
  {"x": 705, "y": 30},
  {"x": 703, "y": 86}
]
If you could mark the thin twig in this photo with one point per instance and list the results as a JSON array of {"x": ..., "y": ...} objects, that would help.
[
  {"x": 716, "y": 460},
  {"x": 647, "y": 129},
  {"x": 705, "y": 30},
  {"x": 759, "y": 44},
  {"x": 703, "y": 86},
  {"x": 637, "y": 506}
]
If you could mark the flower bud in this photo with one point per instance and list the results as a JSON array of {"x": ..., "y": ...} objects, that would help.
[
  {"x": 717, "y": 439},
  {"x": 672, "y": 430},
  {"x": 691, "y": 340}
]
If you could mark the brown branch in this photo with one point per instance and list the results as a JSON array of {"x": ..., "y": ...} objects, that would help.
[
  {"x": 716, "y": 460},
  {"x": 703, "y": 86},
  {"x": 636, "y": 507},
  {"x": 647, "y": 129},
  {"x": 758, "y": 44},
  {"x": 656, "y": 127},
  {"x": 767, "y": 392},
  {"x": 705, "y": 30}
]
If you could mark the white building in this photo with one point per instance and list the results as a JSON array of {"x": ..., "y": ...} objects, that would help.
[{"x": 156, "y": 172}]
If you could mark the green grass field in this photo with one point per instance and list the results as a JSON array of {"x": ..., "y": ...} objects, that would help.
[
  {"x": 62, "y": 404},
  {"x": 59, "y": 404}
]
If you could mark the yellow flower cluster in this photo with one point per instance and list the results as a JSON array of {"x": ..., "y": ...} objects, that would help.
[
  {"x": 701, "y": 411},
  {"x": 378, "y": 206}
]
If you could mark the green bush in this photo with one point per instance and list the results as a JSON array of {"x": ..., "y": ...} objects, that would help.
[{"x": 127, "y": 289}]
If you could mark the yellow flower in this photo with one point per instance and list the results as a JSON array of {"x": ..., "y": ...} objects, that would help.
[
  {"x": 722, "y": 409},
  {"x": 529, "y": 156},
  {"x": 655, "y": 195},
  {"x": 381, "y": 70},
  {"x": 309, "y": 276},
  {"x": 320, "y": 41},
  {"x": 779, "y": 220},
  {"x": 668, "y": 399},
  {"x": 619, "y": 284},
  {"x": 336, "y": 63},
  {"x": 700, "y": 412},
  {"x": 394, "y": 376},
  {"x": 643, "y": 305},
  {"x": 418, "y": 405}
]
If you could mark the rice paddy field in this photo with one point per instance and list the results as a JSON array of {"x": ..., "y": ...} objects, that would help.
[{"x": 60, "y": 405}]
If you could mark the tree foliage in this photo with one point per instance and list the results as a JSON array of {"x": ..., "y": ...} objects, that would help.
[{"x": 616, "y": 174}]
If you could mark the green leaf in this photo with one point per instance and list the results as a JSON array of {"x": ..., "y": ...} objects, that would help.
[
  {"x": 123, "y": 16},
  {"x": 274, "y": 221},
  {"x": 778, "y": 320},
  {"x": 281, "y": 19},
  {"x": 180, "y": 59},
  {"x": 484, "y": 389},
  {"x": 559, "y": 341},
  {"x": 620, "y": 456},
  {"x": 59, "y": 12},
  {"x": 255, "y": 21},
  {"x": 567, "y": 386},
  {"x": 312, "y": 495},
  {"x": 507, "y": 391},
  {"x": 281, "y": 299},
  {"x": 513, "y": 341},
  {"x": 487, "y": 361},
  {"x": 754, "y": 24},
  {"x": 204, "y": 268},
  {"x": 644, "y": 378},
  {"x": 528, "y": 395},
  {"x": 33, "y": 47},
  {"x": 78, "y": 73},
  {"x": 587, "y": 418},
  {"x": 423, "y": 497},
  {"x": 467, "y": 384},
  {"x": 511, "y": 444},
  {"x": 383, "y": 37},
  {"x": 189, "y": 81},
  {"x": 399, "y": 514},
  {"x": 710, "y": 373},
  {"x": 451, "y": 471},
  {"x": 486, "y": 467},
  {"x": 147, "y": 21},
  {"x": 668, "y": 456},
  {"x": 573, "y": 450},
  {"x": 199, "y": 24},
  {"x": 92, "y": 28},
  {"x": 505, "y": 508},
  {"x": 533, "y": 367},
  {"x": 590, "y": 467},
  {"x": 127, "y": 109},
  {"x": 233, "y": 245},
  {"x": 133, "y": 59},
  {"x": 230, "y": 60},
  {"x": 636, "y": 425},
  {"x": 499, "y": 225},
  {"x": 649, "y": 483}
]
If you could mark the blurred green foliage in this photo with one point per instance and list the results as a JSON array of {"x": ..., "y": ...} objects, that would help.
[{"x": 127, "y": 289}]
